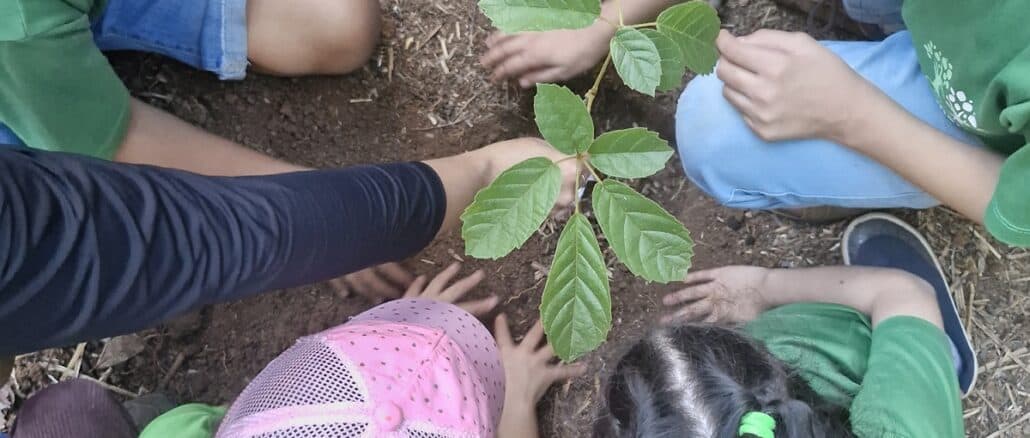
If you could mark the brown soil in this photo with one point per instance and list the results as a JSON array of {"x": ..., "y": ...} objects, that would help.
[{"x": 429, "y": 107}]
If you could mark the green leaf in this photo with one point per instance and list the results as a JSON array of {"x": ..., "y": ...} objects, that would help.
[
  {"x": 694, "y": 26},
  {"x": 576, "y": 308},
  {"x": 645, "y": 237},
  {"x": 508, "y": 211},
  {"x": 673, "y": 65},
  {"x": 563, "y": 119},
  {"x": 636, "y": 59},
  {"x": 630, "y": 153},
  {"x": 512, "y": 16}
]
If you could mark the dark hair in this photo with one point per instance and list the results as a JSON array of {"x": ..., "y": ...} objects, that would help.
[{"x": 699, "y": 380}]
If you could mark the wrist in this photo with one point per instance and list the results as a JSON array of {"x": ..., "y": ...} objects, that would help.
[
  {"x": 865, "y": 121},
  {"x": 766, "y": 290},
  {"x": 517, "y": 419}
]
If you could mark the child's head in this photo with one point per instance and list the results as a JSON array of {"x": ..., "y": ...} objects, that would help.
[
  {"x": 411, "y": 368},
  {"x": 700, "y": 380}
]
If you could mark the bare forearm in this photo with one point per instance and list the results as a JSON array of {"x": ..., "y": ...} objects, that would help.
[
  {"x": 160, "y": 139},
  {"x": 877, "y": 292},
  {"x": 634, "y": 11},
  {"x": 462, "y": 176},
  {"x": 961, "y": 176},
  {"x": 518, "y": 422}
]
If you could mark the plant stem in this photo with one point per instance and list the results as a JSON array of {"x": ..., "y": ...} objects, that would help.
[
  {"x": 570, "y": 157},
  {"x": 619, "y": 8},
  {"x": 597, "y": 82},
  {"x": 575, "y": 191},
  {"x": 610, "y": 22},
  {"x": 651, "y": 24},
  {"x": 592, "y": 171}
]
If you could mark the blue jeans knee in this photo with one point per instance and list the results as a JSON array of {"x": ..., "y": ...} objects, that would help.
[
  {"x": 885, "y": 13},
  {"x": 702, "y": 134}
]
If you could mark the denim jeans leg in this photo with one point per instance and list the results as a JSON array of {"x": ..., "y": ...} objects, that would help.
[
  {"x": 883, "y": 13},
  {"x": 727, "y": 160}
]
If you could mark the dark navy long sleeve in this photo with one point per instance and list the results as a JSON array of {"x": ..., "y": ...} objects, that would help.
[{"x": 91, "y": 249}]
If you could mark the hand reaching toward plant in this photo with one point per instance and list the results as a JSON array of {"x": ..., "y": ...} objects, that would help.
[
  {"x": 730, "y": 294},
  {"x": 557, "y": 55},
  {"x": 529, "y": 369},
  {"x": 735, "y": 294},
  {"x": 376, "y": 284},
  {"x": 788, "y": 86},
  {"x": 438, "y": 290},
  {"x": 505, "y": 154},
  {"x": 553, "y": 56}
]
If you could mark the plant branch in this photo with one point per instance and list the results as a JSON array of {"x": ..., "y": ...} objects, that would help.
[
  {"x": 597, "y": 82},
  {"x": 575, "y": 191},
  {"x": 651, "y": 24},
  {"x": 619, "y": 8},
  {"x": 592, "y": 171},
  {"x": 570, "y": 157}
]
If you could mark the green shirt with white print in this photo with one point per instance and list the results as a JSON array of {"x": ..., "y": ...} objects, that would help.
[{"x": 976, "y": 55}]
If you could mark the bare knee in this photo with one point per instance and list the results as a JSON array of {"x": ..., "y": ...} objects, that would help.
[
  {"x": 349, "y": 36},
  {"x": 322, "y": 37}
]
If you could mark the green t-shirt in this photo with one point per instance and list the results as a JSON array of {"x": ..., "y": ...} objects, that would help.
[
  {"x": 977, "y": 57},
  {"x": 896, "y": 381},
  {"x": 194, "y": 420},
  {"x": 57, "y": 91}
]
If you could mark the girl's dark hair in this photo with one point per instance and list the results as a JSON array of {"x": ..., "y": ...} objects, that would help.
[{"x": 699, "y": 380}]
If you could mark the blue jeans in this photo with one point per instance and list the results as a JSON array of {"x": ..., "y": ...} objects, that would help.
[
  {"x": 727, "y": 160},
  {"x": 207, "y": 34}
]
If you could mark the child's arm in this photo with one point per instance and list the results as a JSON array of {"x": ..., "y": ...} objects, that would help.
[
  {"x": 788, "y": 86},
  {"x": 158, "y": 138},
  {"x": 740, "y": 293},
  {"x": 528, "y": 372},
  {"x": 98, "y": 248},
  {"x": 533, "y": 57}
]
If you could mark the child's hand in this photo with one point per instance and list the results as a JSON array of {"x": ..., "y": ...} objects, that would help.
[
  {"x": 505, "y": 154},
  {"x": 728, "y": 294},
  {"x": 438, "y": 290},
  {"x": 377, "y": 284},
  {"x": 788, "y": 86},
  {"x": 528, "y": 368},
  {"x": 557, "y": 55}
]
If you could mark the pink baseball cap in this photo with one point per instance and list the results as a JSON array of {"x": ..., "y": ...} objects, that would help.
[{"x": 406, "y": 368}]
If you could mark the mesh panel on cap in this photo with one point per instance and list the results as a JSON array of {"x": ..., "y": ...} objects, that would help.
[
  {"x": 318, "y": 430},
  {"x": 309, "y": 373},
  {"x": 421, "y": 434}
]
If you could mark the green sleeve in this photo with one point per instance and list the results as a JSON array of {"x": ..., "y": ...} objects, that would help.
[
  {"x": 1008, "y": 214},
  {"x": 194, "y": 420},
  {"x": 827, "y": 344},
  {"x": 910, "y": 388},
  {"x": 57, "y": 91}
]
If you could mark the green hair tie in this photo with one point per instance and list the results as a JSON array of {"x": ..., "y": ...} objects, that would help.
[{"x": 758, "y": 424}]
